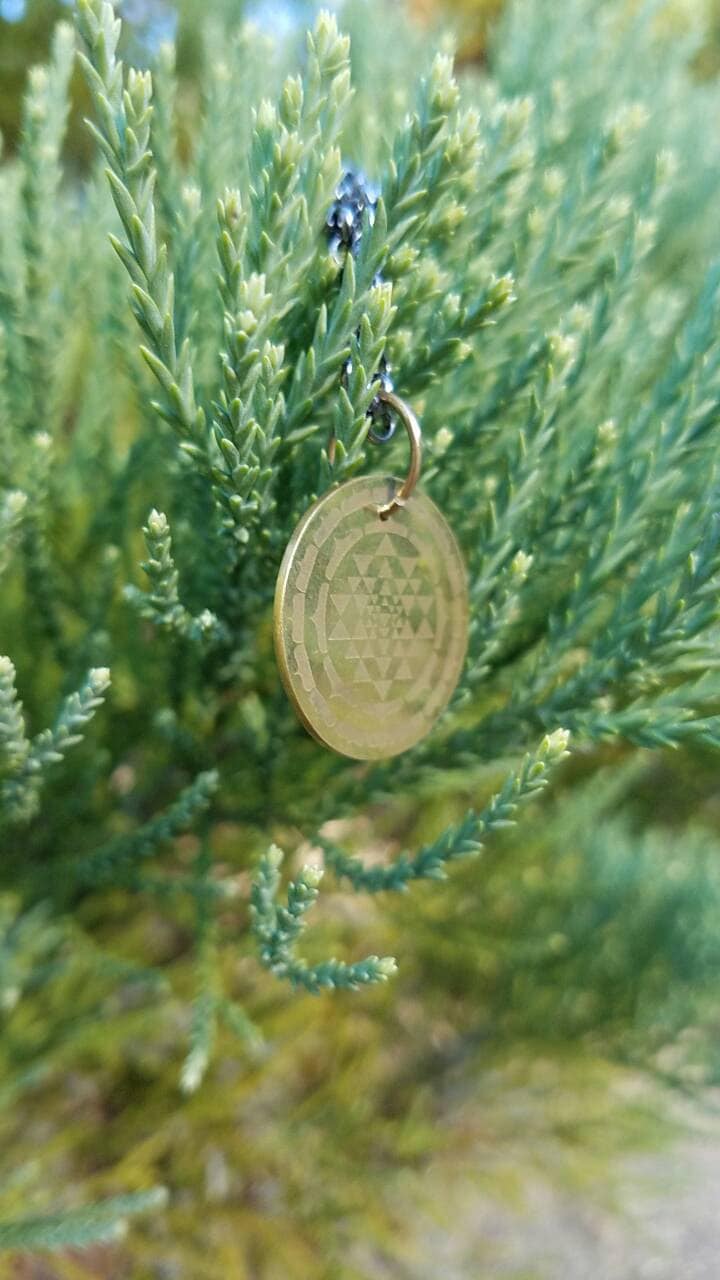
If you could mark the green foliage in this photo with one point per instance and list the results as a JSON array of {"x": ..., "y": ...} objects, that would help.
[
  {"x": 460, "y": 841},
  {"x": 278, "y": 928},
  {"x": 112, "y": 862},
  {"x": 80, "y": 1227},
  {"x": 539, "y": 273},
  {"x": 596, "y": 930},
  {"x": 162, "y": 605},
  {"x": 24, "y": 761}
]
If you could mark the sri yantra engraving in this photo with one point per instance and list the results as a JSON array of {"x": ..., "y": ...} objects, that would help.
[{"x": 371, "y": 620}]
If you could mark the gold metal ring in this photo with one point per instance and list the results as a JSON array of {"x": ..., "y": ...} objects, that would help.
[{"x": 412, "y": 426}]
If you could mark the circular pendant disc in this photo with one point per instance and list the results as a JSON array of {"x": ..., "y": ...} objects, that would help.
[{"x": 371, "y": 619}]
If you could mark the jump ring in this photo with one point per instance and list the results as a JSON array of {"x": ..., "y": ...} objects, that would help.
[{"x": 412, "y": 426}]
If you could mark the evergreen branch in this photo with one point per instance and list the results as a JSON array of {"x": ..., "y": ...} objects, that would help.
[
  {"x": 231, "y": 58},
  {"x": 523, "y": 476},
  {"x": 117, "y": 860},
  {"x": 294, "y": 164},
  {"x": 8, "y": 441},
  {"x": 278, "y": 928},
  {"x": 123, "y": 134},
  {"x": 293, "y": 170},
  {"x": 421, "y": 166},
  {"x": 316, "y": 371},
  {"x": 446, "y": 342},
  {"x": 265, "y": 256},
  {"x": 162, "y": 604},
  {"x": 177, "y": 885},
  {"x": 539, "y": 185},
  {"x": 20, "y": 791},
  {"x": 350, "y": 412},
  {"x": 251, "y": 405},
  {"x": 189, "y": 264},
  {"x": 76, "y": 712},
  {"x": 12, "y": 510},
  {"x": 651, "y": 625},
  {"x": 79, "y": 1228},
  {"x": 164, "y": 141},
  {"x": 685, "y": 714},
  {"x": 39, "y": 565},
  {"x": 44, "y": 119},
  {"x": 237, "y": 1021},
  {"x": 14, "y": 745},
  {"x": 460, "y": 841},
  {"x": 487, "y": 636},
  {"x": 203, "y": 1028}
]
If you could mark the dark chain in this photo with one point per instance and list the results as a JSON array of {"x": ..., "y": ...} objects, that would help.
[{"x": 355, "y": 201}]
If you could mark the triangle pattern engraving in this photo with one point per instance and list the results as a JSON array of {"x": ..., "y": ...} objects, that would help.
[{"x": 386, "y": 547}]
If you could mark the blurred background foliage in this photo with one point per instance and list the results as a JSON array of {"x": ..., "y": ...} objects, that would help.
[
  {"x": 534, "y": 988},
  {"x": 26, "y": 28}
]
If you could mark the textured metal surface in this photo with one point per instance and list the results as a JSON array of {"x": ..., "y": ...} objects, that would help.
[{"x": 371, "y": 619}]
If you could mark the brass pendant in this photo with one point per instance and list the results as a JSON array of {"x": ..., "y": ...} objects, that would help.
[{"x": 371, "y": 613}]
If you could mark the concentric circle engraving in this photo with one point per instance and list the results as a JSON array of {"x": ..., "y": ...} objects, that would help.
[{"x": 371, "y": 619}]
